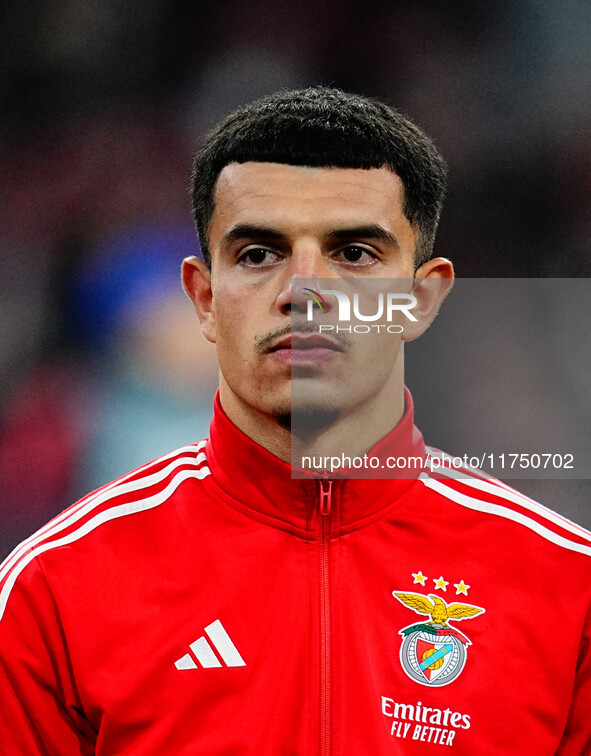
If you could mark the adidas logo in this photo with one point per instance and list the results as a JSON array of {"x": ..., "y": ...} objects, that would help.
[{"x": 204, "y": 653}]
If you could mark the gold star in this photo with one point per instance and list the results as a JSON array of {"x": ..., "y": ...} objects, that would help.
[
  {"x": 419, "y": 578},
  {"x": 441, "y": 583},
  {"x": 461, "y": 587}
]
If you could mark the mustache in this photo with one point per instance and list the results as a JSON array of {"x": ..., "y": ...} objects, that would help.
[{"x": 341, "y": 339}]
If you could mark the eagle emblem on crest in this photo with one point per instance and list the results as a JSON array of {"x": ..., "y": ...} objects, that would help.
[{"x": 434, "y": 653}]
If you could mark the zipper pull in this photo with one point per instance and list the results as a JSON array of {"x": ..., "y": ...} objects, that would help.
[{"x": 325, "y": 497}]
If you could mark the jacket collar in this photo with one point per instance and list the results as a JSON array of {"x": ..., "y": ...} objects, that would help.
[{"x": 260, "y": 481}]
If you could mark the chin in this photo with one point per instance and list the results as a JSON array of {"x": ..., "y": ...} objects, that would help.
[{"x": 304, "y": 418}]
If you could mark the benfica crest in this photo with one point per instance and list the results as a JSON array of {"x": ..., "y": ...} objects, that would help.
[{"x": 434, "y": 653}]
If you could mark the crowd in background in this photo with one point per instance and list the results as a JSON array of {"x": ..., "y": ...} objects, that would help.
[{"x": 102, "y": 365}]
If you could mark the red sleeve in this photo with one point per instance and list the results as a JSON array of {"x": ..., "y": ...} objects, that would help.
[
  {"x": 576, "y": 740},
  {"x": 40, "y": 712}
]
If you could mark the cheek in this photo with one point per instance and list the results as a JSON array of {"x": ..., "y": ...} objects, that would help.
[
  {"x": 235, "y": 331},
  {"x": 238, "y": 313},
  {"x": 376, "y": 356}
]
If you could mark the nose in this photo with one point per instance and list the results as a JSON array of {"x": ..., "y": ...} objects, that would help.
[{"x": 307, "y": 268}]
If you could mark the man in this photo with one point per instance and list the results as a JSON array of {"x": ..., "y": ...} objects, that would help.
[{"x": 211, "y": 603}]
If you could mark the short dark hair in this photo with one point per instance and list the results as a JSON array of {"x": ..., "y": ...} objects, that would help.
[{"x": 324, "y": 127}]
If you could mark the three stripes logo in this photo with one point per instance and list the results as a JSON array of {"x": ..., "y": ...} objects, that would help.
[{"x": 205, "y": 655}]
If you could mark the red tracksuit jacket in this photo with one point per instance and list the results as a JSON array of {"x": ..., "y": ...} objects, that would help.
[{"x": 209, "y": 604}]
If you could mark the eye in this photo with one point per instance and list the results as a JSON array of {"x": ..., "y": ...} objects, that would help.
[
  {"x": 356, "y": 255},
  {"x": 258, "y": 257}
]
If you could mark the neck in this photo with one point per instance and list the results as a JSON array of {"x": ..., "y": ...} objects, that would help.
[{"x": 352, "y": 433}]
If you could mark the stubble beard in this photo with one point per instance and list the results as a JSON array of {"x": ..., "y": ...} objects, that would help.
[{"x": 306, "y": 416}]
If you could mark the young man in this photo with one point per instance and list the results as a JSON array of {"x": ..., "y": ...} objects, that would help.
[{"x": 211, "y": 603}]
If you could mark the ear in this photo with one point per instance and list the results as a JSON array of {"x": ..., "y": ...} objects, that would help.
[
  {"x": 433, "y": 282},
  {"x": 196, "y": 278}
]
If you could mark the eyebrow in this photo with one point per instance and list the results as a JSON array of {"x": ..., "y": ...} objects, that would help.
[
  {"x": 373, "y": 232},
  {"x": 249, "y": 231},
  {"x": 370, "y": 232}
]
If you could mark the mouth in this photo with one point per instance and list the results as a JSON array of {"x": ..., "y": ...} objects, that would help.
[{"x": 304, "y": 350}]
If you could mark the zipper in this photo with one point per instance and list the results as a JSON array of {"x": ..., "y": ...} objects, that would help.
[{"x": 324, "y": 510}]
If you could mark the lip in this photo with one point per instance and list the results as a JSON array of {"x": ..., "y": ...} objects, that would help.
[
  {"x": 304, "y": 350},
  {"x": 305, "y": 341}
]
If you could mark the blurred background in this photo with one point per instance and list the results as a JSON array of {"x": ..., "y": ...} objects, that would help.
[{"x": 102, "y": 364}]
